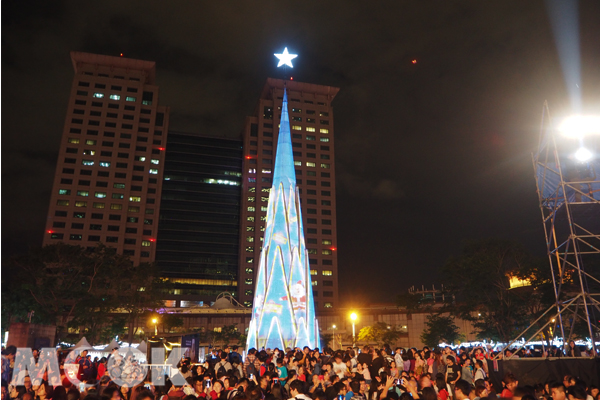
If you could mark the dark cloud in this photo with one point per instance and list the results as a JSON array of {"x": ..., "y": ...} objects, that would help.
[{"x": 428, "y": 154}]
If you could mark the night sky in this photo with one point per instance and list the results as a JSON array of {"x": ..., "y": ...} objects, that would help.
[{"x": 427, "y": 155}]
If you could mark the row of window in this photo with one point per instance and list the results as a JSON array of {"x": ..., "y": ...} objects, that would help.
[
  {"x": 107, "y": 164},
  {"x": 320, "y": 103},
  {"x": 118, "y": 175},
  {"x": 113, "y": 206},
  {"x": 131, "y": 78},
  {"x": 83, "y": 182},
  {"x": 268, "y": 111},
  {"x": 106, "y": 153},
  {"x": 98, "y": 227},
  {"x": 107, "y": 124},
  {"x": 93, "y": 142},
  {"x": 103, "y": 86},
  {"x": 102, "y": 195},
  {"x": 93, "y": 113},
  {"x": 111, "y": 217}
]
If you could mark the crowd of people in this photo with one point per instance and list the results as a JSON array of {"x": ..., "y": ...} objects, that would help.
[{"x": 295, "y": 374}]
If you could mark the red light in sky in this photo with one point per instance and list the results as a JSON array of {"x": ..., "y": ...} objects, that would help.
[
  {"x": 161, "y": 148},
  {"x": 121, "y": 54},
  {"x": 291, "y": 78},
  {"x": 414, "y": 61},
  {"x": 50, "y": 231}
]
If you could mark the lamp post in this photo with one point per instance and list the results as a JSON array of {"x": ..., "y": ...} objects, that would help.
[
  {"x": 333, "y": 327},
  {"x": 155, "y": 321},
  {"x": 353, "y": 317}
]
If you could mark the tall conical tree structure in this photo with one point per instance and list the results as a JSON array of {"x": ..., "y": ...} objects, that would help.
[{"x": 284, "y": 311}]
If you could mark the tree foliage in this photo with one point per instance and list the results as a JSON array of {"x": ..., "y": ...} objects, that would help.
[
  {"x": 440, "y": 329},
  {"x": 380, "y": 333},
  {"x": 228, "y": 334},
  {"x": 71, "y": 286},
  {"x": 478, "y": 283}
]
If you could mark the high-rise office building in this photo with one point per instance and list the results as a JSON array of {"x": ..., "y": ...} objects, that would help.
[
  {"x": 312, "y": 128},
  {"x": 109, "y": 172},
  {"x": 198, "y": 230}
]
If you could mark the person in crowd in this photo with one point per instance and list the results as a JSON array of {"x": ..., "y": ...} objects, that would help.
[{"x": 510, "y": 383}]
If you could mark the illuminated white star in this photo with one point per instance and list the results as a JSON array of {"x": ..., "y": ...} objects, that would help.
[{"x": 285, "y": 58}]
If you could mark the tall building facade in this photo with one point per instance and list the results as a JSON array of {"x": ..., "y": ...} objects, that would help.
[
  {"x": 312, "y": 129},
  {"x": 198, "y": 230},
  {"x": 109, "y": 172}
]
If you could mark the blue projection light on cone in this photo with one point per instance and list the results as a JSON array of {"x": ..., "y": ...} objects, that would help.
[{"x": 284, "y": 311}]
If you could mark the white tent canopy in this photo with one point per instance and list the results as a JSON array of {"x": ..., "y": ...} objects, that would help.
[
  {"x": 112, "y": 345},
  {"x": 143, "y": 347},
  {"x": 82, "y": 345}
]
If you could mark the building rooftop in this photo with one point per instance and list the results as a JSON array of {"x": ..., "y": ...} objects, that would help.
[{"x": 149, "y": 67}]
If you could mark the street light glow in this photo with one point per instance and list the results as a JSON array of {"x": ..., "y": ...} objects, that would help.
[
  {"x": 583, "y": 154},
  {"x": 578, "y": 126},
  {"x": 353, "y": 316},
  {"x": 154, "y": 320}
]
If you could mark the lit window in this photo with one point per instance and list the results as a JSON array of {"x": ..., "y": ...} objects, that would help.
[
  {"x": 310, "y": 129},
  {"x": 314, "y": 283},
  {"x": 87, "y": 152},
  {"x": 117, "y": 196},
  {"x": 296, "y": 128},
  {"x": 135, "y": 199},
  {"x": 133, "y": 209},
  {"x": 153, "y": 171},
  {"x": 83, "y": 193},
  {"x": 99, "y": 95},
  {"x": 266, "y": 190},
  {"x": 145, "y": 243},
  {"x": 249, "y": 249},
  {"x": 104, "y": 164},
  {"x": 250, "y": 239},
  {"x": 326, "y": 241},
  {"x": 154, "y": 161},
  {"x": 74, "y": 140},
  {"x": 249, "y": 270},
  {"x": 115, "y": 206},
  {"x": 264, "y": 199},
  {"x": 263, "y": 208},
  {"x": 328, "y": 305},
  {"x": 249, "y": 292},
  {"x": 324, "y": 139},
  {"x": 140, "y": 158},
  {"x": 98, "y": 205},
  {"x": 298, "y": 163},
  {"x": 87, "y": 162},
  {"x": 119, "y": 186},
  {"x": 100, "y": 195},
  {"x": 90, "y": 142},
  {"x": 114, "y": 97},
  {"x": 326, "y": 252},
  {"x": 129, "y": 98},
  {"x": 263, "y": 218},
  {"x": 327, "y": 273},
  {"x": 251, "y": 209},
  {"x": 62, "y": 203},
  {"x": 251, "y": 199},
  {"x": 310, "y": 137},
  {"x": 64, "y": 191},
  {"x": 81, "y": 204},
  {"x": 249, "y": 281},
  {"x": 324, "y": 165},
  {"x": 250, "y": 218},
  {"x": 311, "y": 164},
  {"x": 313, "y": 272},
  {"x": 266, "y": 170}
]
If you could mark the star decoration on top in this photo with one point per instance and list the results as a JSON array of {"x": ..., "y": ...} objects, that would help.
[{"x": 285, "y": 58}]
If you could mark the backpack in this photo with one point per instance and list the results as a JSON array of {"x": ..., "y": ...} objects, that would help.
[
  {"x": 251, "y": 369},
  {"x": 263, "y": 365},
  {"x": 221, "y": 368}
]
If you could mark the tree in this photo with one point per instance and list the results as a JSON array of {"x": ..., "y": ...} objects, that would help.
[
  {"x": 478, "y": 283},
  {"x": 170, "y": 321},
  {"x": 71, "y": 286},
  {"x": 227, "y": 334},
  {"x": 381, "y": 333},
  {"x": 440, "y": 329}
]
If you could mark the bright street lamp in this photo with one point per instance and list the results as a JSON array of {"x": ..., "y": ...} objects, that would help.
[
  {"x": 333, "y": 327},
  {"x": 578, "y": 126},
  {"x": 155, "y": 321},
  {"x": 353, "y": 317}
]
